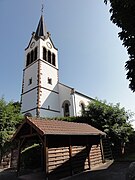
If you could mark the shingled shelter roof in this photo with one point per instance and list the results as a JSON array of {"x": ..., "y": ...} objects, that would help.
[{"x": 58, "y": 127}]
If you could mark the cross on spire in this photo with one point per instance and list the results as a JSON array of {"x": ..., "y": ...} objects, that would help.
[
  {"x": 41, "y": 29},
  {"x": 42, "y": 8}
]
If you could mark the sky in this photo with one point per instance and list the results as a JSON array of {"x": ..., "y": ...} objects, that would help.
[{"x": 91, "y": 56}]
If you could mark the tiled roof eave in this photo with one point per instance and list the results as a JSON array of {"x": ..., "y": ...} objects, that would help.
[
  {"x": 74, "y": 134},
  {"x": 62, "y": 129}
]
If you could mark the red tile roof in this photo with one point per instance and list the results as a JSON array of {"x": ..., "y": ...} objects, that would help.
[{"x": 58, "y": 127}]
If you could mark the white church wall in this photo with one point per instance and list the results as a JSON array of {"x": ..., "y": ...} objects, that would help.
[
  {"x": 30, "y": 73},
  {"x": 32, "y": 112},
  {"x": 49, "y": 97},
  {"x": 29, "y": 101},
  {"x": 47, "y": 71},
  {"x": 48, "y": 113},
  {"x": 50, "y": 100},
  {"x": 65, "y": 94},
  {"x": 80, "y": 98}
]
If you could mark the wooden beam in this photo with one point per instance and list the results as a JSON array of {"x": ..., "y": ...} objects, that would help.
[
  {"x": 102, "y": 150},
  {"x": 45, "y": 156},
  {"x": 21, "y": 142},
  {"x": 28, "y": 135},
  {"x": 41, "y": 139}
]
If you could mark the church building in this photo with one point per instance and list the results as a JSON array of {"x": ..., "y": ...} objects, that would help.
[{"x": 42, "y": 93}]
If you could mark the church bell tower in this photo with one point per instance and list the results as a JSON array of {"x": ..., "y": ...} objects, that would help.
[{"x": 40, "y": 91}]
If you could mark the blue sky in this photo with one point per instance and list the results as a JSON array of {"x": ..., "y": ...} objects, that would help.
[{"x": 91, "y": 56}]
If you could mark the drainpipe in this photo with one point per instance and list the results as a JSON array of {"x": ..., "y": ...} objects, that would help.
[{"x": 73, "y": 100}]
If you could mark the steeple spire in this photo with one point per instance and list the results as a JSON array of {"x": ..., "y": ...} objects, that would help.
[{"x": 41, "y": 29}]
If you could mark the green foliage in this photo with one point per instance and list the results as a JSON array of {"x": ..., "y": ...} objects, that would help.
[
  {"x": 10, "y": 118},
  {"x": 123, "y": 15},
  {"x": 111, "y": 119}
]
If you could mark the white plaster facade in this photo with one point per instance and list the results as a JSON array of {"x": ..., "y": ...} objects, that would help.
[{"x": 42, "y": 94}]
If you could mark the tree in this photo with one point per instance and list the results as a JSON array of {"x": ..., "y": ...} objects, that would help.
[
  {"x": 111, "y": 119},
  {"x": 123, "y": 15},
  {"x": 10, "y": 118}
]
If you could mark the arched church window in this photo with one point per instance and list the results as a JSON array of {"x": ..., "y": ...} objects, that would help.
[
  {"x": 66, "y": 110},
  {"x": 35, "y": 53},
  {"x": 53, "y": 59},
  {"x": 28, "y": 59},
  {"x": 44, "y": 53},
  {"x": 49, "y": 56},
  {"x": 65, "y": 107},
  {"x": 82, "y": 107},
  {"x": 32, "y": 56}
]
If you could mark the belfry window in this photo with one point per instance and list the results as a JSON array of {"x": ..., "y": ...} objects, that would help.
[
  {"x": 44, "y": 53},
  {"x": 49, "y": 56},
  {"x": 35, "y": 53},
  {"x": 32, "y": 56},
  {"x": 28, "y": 59},
  {"x": 53, "y": 59}
]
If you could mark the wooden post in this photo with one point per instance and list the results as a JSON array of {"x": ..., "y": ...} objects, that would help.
[
  {"x": 70, "y": 156},
  {"x": 42, "y": 156},
  {"x": 102, "y": 150},
  {"x": 18, "y": 159},
  {"x": 88, "y": 152},
  {"x": 45, "y": 154},
  {"x": 30, "y": 130},
  {"x": 20, "y": 144}
]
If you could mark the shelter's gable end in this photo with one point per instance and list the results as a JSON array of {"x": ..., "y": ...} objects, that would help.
[
  {"x": 27, "y": 128},
  {"x": 36, "y": 125}
]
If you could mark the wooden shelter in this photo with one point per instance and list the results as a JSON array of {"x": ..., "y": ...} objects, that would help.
[{"x": 67, "y": 147}]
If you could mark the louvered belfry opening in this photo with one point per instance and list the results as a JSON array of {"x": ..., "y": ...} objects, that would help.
[{"x": 67, "y": 148}]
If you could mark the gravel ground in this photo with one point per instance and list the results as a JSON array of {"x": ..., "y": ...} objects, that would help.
[{"x": 108, "y": 171}]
